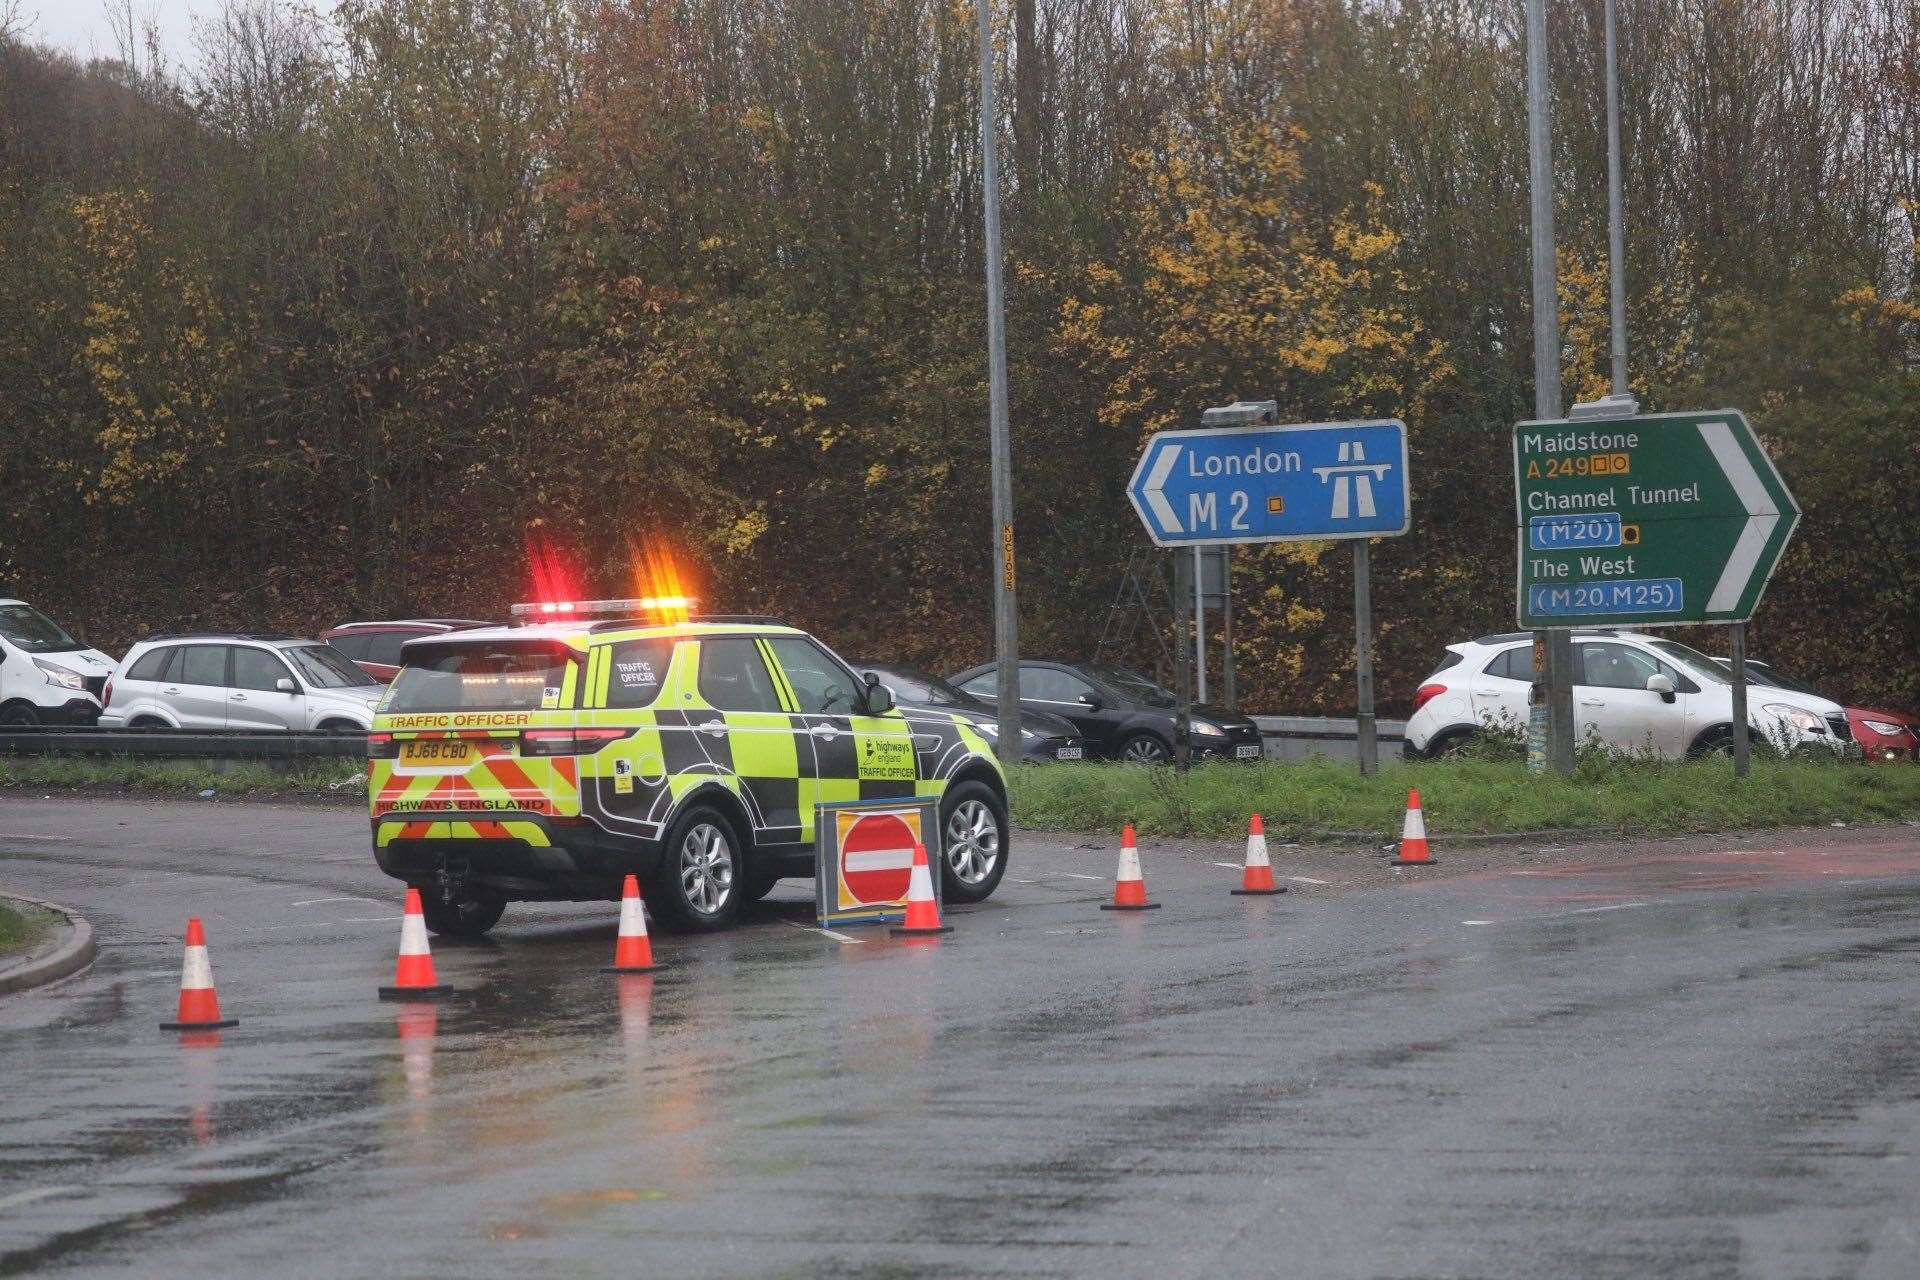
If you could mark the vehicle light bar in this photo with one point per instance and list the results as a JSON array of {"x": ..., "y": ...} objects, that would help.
[{"x": 553, "y": 610}]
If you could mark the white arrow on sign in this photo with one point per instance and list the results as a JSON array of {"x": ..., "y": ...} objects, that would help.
[
  {"x": 1154, "y": 491},
  {"x": 1762, "y": 516}
]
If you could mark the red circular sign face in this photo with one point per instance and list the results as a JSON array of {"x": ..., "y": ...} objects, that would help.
[{"x": 876, "y": 858}]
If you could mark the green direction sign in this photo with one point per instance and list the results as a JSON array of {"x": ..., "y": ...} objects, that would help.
[{"x": 1654, "y": 520}]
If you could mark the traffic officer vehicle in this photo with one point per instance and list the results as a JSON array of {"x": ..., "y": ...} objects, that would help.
[{"x": 549, "y": 759}]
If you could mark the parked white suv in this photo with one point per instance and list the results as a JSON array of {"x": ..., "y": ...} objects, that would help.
[
  {"x": 239, "y": 682},
  {"x": 46, "y": 676},
  {"x": 1633, "y": 692}
]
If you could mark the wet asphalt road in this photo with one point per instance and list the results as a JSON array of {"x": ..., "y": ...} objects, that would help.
[{"x": 1676, "y": 1060}]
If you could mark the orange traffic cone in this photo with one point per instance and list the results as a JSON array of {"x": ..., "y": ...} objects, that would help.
[
  {"x": 923, "y": 913},
  {"x": 1413, "y": 837},
  {"x": 199, "y": 1006},
  {"x": 633, "y": 951},
  {"x": 1129, "y": 888},
  {"x": 1257, "y": 879},
  {"x": 413, "y": 977}
]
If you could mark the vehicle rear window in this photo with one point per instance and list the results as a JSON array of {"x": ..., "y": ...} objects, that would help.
[
  {"x": 152, "y": 663},
  {"x": 325, "y": 667},
  {"x": 383, "y": 647},
  {"x": 354, "y": 644},
  {"x": 478, "y": 677},
  {"x": 635, "y": 670}
]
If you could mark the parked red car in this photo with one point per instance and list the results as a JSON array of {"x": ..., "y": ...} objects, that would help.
[
  {"x": 375, "y": 646},
  {"x": 1886, "y": 735}
]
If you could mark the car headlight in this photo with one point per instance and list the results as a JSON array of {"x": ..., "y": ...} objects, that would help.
[
  {"x": 1202, "y": 729},
  {"x": 60, "y": 675},
  {"x": 1884, "y": 729},
  {"x": 1801, "y": 719}
]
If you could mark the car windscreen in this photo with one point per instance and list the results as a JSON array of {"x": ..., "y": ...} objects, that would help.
[
  {"x": 1763, "y": 674},
  {"x": 1706, "y": 668},
  {"x": 324, "y": 667},
  {"x": 1134, "y": 685},
  {"x": 29, "y": 629},
  {"x": 477, "y": 677},
  {"x": 910, "y": 684}
]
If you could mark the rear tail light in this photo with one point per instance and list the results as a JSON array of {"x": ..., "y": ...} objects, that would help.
[
  {"x": 567, "y": 742},
  {"x": 106, "y": 694},
  {"x": 1427, "y": 693},
  {"x": 381, "y": 746}
]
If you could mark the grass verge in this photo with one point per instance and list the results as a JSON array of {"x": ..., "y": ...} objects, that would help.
[
  {"x": 74, "y": 773},
  {"x": 1461, "y": 797},
  {"x": 17, "y": 931}
]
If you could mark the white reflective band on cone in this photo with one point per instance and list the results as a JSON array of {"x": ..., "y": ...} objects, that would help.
[
  {"x": 1416, "y": 826},
  {"x": 920, "y": 887},
  {"x": 1257, "y": 850},
  {"x": 633, "y": 919},
  {"x": 195, "y": 973},
  {"x": 1129, "y": 862},
  {"x": 413, "y": 935}
]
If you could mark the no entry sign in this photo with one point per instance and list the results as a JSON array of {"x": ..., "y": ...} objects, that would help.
[{"x": 864, "y": 857}]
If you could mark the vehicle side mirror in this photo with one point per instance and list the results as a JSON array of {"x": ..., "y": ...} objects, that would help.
[
  {"x": 1661, "y": 683},
  {"x": 879, "y": 697},
  {"x": 1091, "y": 701},
  {"x": 285, "y": 685}
]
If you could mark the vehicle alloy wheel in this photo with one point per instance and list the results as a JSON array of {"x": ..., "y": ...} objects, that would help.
[
  {"x": 1144, "y": 748},
  {"x": 706, "y": 868},
  {"x": 973, "y": 842},
  {"x": 17, "y": 716},
  {"x": 974, "y": 831}
]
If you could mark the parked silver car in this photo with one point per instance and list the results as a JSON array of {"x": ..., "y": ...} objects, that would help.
[{"x": 238, "y": 682}]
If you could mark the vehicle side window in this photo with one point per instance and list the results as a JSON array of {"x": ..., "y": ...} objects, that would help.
[
  {"x": 383, "y": 647},
  {"x": 353, "y": 644},
  {"x": 1513, "y": 664},
  {"x": 986, "y": 685},
  {"x": 819, "y": 683},
  {"x": 203, "y": 664},
  {"x": 1048, "y": 684},
  {"x": 152, "y": 664},
  {"x": 635, "y": 670},
  {"x": 733, "y": 676},
  {"x": 1614, "y": 666},
  {"x": 258, "y": 669}
]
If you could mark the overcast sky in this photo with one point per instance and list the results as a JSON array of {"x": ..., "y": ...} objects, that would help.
[{"x": 81, "y": 28}]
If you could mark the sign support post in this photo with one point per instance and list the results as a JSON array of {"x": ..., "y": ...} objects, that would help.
[
  {"x": 1363, "y": 654},
  {"x": 1226, "y": 628},
  {"x": 1742, "y": 746},
  {"x": 1199, "y": 624},
  {"x": 1182, "y": 672}
]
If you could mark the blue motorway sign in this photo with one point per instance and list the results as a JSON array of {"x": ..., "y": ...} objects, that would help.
[{"x": 1274, "y": 484}]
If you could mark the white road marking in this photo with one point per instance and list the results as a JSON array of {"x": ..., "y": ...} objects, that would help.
[
  {"x": 1308, "y": 880},
  {"x": 1077, "y": 876},
  {"x": 19, "y": 1198},
  {"x": 837, "y": 937},
  {"x": 1563, "y": 915},
  {"x": 60, "y": 839},
  {"x": 314, "y": 902},
  {"x": 366, "y": 920},
  {"x": 1231, "y": 866},
  {"x": 1618, "y": 906}
]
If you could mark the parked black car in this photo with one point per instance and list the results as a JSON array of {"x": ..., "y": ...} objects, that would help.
[
  {"x": 1042, "y": 736},
  {"x": 1122, "y": 714}
]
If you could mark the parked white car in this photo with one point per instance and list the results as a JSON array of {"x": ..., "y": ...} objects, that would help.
[
  {"x": 239, "y": 682},
  {"x": 46, "y": 676},
  {"x": 1633, "y": 692}
]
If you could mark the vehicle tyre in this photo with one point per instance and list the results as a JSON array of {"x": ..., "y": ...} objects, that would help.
[
  {"x": 700, "y": 886},
  {"x": 755, "y": 885},
  {"x": 1145, "y": 748},
  {"x": 973, "y": 831},
  {"x": 148, "y": 722},
  {"x": 468, "y": 916},
  {"x": 340, "y": 726},
  {"x": 19, "y": 715},
  {"x": 1448, "y": 745},
  {"x": 1714, "y": 744}
]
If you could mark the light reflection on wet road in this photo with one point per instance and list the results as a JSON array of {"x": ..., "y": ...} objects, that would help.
[{"x": 1676, "y": 1062}]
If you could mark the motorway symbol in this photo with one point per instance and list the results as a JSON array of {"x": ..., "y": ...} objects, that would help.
[
  {"x": 1655, "y": 520},
  {"x": 1313, "y": 481}
]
